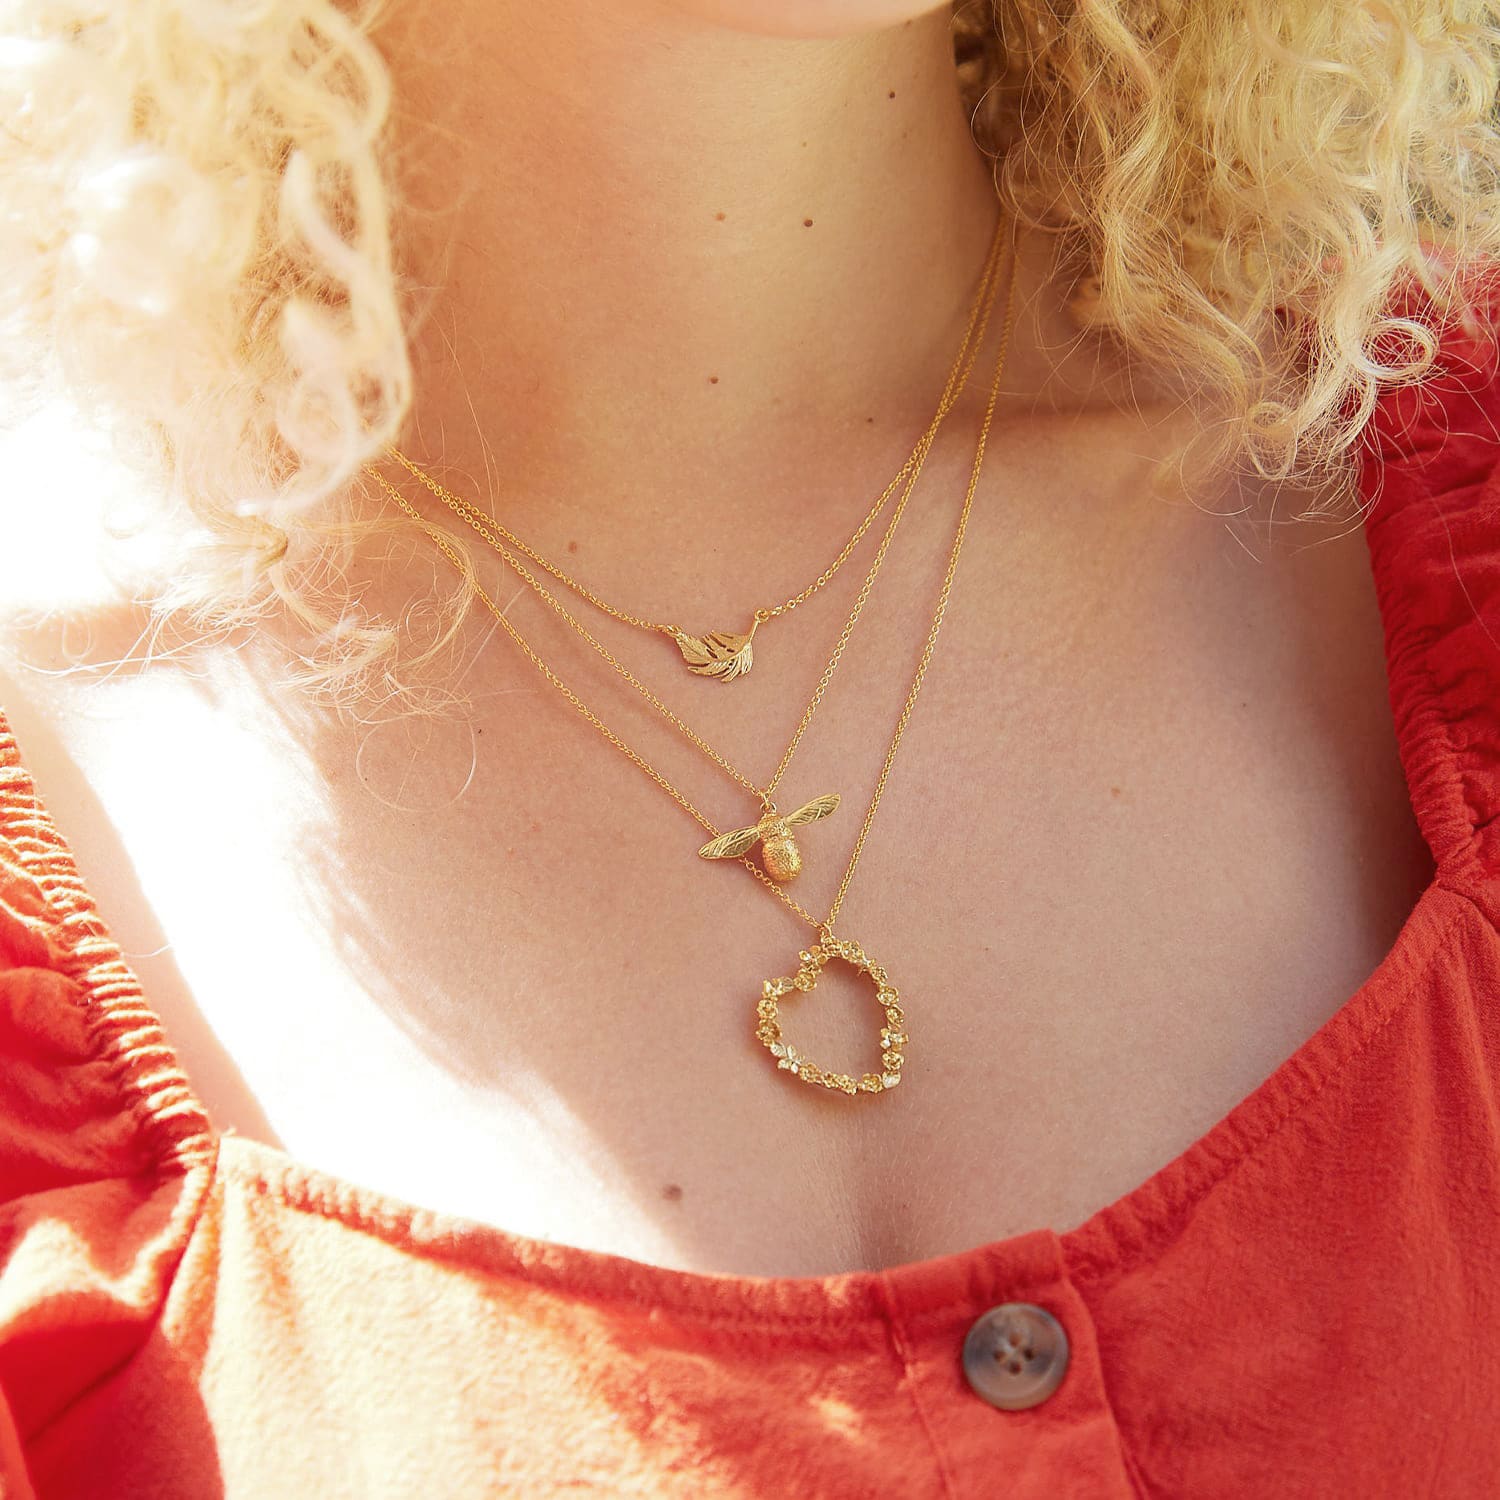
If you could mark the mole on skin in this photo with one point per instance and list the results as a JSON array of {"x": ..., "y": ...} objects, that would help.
[{"x": 672, "y": 1192}]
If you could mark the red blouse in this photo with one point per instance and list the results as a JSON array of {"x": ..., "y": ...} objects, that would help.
[{"x": 1304, "y": 1303}]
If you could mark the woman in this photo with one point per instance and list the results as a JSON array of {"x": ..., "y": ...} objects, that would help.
[{"x": 321, "y": 902}]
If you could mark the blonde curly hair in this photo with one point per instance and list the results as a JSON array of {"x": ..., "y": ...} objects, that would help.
[{"x": 197, "y": 245}]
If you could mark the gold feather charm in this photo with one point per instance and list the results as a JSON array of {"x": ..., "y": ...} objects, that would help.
[
  {"x": 721, "y": 653},
  {"x": 779, "y": 853}
]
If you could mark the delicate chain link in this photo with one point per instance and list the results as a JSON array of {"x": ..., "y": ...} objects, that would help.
[
  {"x": 909, "y": 469},
  {"x": 559, "y": 608},
  {"x": 937, "y": 619},
  {"x": 557, "y": 681},
  {"x": 967, "y": 356},
  {"x": 958, "y": 377},
  {"x": 609, "y": 734},
  {"x": 825, "y": 927},
  {"x": 455, "y": 502}
]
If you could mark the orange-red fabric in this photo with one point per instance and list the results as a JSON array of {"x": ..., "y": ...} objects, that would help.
[{"x": 1306, "y": 1303}]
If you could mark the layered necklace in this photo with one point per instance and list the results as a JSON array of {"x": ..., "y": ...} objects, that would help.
[{"x": 726, "y": 656}]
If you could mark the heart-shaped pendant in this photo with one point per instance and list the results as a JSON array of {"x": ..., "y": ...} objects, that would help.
[{"x": 811, "y": 962}]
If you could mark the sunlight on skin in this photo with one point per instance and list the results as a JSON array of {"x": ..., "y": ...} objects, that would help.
[
  {"x": 292, "y": 1014},
  {"x": 71, "y": 487}
]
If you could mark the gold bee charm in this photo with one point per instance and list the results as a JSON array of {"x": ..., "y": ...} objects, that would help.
[
  {"x": 779, "y": 853},
  {"x": 721, "y": 653}
]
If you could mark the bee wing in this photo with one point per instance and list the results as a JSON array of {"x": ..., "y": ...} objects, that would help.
[
  {"x": 731, "y": 845},
  {"x": 819, "y": 807}
]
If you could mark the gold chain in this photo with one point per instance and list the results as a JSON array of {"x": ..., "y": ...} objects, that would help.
[
  {"x": 957, "y": 381},
  {"x": 721, "y": 654},
  {"x": 825, "y": 927}
]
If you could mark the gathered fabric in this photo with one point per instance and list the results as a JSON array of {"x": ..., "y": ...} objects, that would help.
[{"x": 1304, "y": 1303}]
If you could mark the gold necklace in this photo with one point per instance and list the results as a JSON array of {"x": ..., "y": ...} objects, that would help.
[
  {"x": 780, "y": 854},
  {"x": 813, "y": 959},
  {"x": 721, "y": 654}
]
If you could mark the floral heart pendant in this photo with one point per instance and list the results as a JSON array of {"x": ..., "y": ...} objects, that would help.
[{"x": 892, "y": 1037}]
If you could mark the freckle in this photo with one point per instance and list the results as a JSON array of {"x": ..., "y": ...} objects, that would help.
[
  {"x": 1114, "y": 791},
  {"x": 720, "y": 216},
  {"x": 807, "y": 223},
  {"x": 572, "y": 546},
  {"x": 536, "y": 826},
  {"x": 672, "y": 1193},
  {"x": 869, "y": 419}
]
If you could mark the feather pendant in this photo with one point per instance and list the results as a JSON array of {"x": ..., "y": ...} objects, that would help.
[{"x": 720, "y": 653}]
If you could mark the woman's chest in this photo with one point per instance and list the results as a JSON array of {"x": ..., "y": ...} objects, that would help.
[{"x": 1125, "y": 867}]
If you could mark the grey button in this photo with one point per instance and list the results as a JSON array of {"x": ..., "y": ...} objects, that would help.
[{"x": 1015, "y": 1355}]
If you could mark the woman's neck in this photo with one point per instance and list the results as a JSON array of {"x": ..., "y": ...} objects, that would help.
[{"x": 661, "y": 252}]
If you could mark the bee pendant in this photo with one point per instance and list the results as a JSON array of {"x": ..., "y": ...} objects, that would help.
[{"x": 779, "y": 853}]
